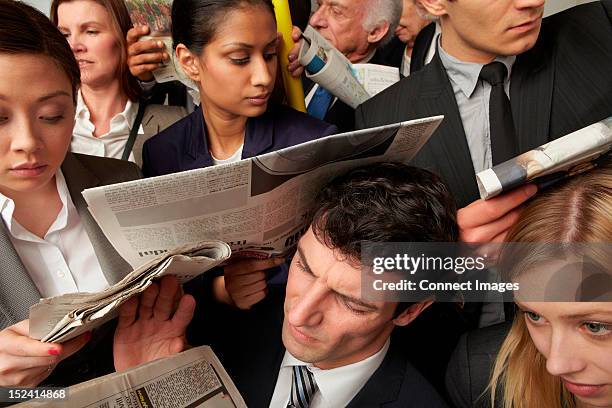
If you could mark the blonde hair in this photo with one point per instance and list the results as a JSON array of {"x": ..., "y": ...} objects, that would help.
[{"x": 577, "y": 211}]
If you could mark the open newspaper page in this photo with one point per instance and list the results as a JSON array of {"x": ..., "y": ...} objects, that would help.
[
  {"x": 61, "y": 318},
  {"x": 326, "y": 66},
  {"x": 564, "y": 157},
  {"x": 192, "y": 379},
  {"x": 375, "y": 78},
  {"x": 259, "y": 206}
]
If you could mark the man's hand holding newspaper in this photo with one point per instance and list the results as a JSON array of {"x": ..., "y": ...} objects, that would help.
[{"x": 152, "y": 325}]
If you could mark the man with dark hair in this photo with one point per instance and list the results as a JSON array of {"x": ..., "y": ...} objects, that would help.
[{"x": 327, "y": 346}]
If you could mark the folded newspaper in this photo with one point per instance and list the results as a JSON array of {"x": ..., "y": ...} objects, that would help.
[
  {"x": 564, "y": 157},
  {"x": 351, "y": 83},
  {"x": 191, "y": 379},
  {"x": 259, "y": 206},
  {"x": 61, "y": 318}
]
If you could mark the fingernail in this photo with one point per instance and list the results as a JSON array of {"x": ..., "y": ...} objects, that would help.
[
  {"x": 54, "y": 352},
  {"x": 159, "y": 44},
  {"x": 291, "y": 57}
]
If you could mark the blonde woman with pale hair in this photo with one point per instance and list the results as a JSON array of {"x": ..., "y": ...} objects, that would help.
[
  {"x": 558, "y": 350},
  {"x": 559, "y": 354}
]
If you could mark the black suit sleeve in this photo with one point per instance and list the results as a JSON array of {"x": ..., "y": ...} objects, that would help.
[{"x": 458, "y": 376}]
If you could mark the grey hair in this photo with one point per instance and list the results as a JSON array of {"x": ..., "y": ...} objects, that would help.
[
  {"x": 380, "y": 11},
  {"x": 422, "y": 12}
]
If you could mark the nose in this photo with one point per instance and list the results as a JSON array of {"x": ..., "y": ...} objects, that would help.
[
  {"x": 76, "y": 45},
  {"x": 564, "y": 357},
  {"x": 262, "y": 75},
  {"x": 307, "y": 310},
  {"x": 24, "y": 137},
  {"x": 318, "y": 19},
  {"x": 529, "y": 4}
]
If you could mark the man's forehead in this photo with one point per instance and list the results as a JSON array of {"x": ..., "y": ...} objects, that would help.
[{"x": 347, "y": 4}]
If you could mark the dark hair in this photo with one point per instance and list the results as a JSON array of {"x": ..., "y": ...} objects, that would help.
[
  {"x": 25, "y": 30},
  {"x": 384, "y": 202},
  {"x": 120, "y": 18},
  {"x": 195, "y": 22}
]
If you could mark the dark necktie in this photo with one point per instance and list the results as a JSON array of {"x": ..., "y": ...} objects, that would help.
[
  {"x": 319, "y": 103},
  {"x": 503, "y": 142},
  {"x": 303, "y": 387}
]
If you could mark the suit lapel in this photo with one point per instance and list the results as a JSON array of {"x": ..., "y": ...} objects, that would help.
[
  {"x": 150, "y": 128},
  {"x": 78, "y": 178},
  {"x": 17, "y": 291},
  {"x": 531, "y": 89},
  {"x": 385, "y": 384},
  {"x": 436, "y": 96}
]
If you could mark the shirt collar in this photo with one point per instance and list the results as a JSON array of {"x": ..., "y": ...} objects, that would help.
[
  {"x": 338, "y": 386},
  {"x": 123, "y": 120},
  {"x": 7, "y": 209},
  {"x": 466, "y": 74}
]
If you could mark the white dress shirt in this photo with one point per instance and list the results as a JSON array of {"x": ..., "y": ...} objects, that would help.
[
  {"x": 110, "y": 144},
  {"x": 335, "y": 388},
  {"x": 64, "y": 261}
]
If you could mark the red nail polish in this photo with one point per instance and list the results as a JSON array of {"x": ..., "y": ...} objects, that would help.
[{"x": 54, "y": 352}]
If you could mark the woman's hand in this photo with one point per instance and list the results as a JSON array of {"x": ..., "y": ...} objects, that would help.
[
  {"x": 152, "y": 325},
  {"x": 25, "y": 362}
]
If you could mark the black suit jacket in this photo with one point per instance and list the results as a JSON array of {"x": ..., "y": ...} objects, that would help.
[
  {"x": 184, "y": 145},
  {"x": 250, "y": 347},
  {"x": 562, "y": 84},
  {"x": 469, "y": 368},
  {"x": 422, "y": 42},
  {"x": 341, "y": 114}
]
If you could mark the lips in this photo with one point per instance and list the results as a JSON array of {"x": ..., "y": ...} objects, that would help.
[
  {"x": 29, "y": 169},
  {"x": 582, "y": 390},
  {"x": 83, "y": 62},
  {"x": 527, "y": 25},
  {"x": 259, "y": 99},
  {"x": 301, "y": 336}
]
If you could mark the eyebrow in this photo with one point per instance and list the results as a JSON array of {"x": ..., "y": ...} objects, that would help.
[
  {"x": 575, "y": 316},
  {"x": 45, "y": 97},
  {"x": 344, "y": 297},
  {"x": 248, "y": 46}
]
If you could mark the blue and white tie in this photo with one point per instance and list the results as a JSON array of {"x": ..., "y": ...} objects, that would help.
[{"x": 303, "y": 387}]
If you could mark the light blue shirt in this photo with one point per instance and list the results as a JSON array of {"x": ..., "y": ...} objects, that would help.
[{"x": 472, "y": 96}]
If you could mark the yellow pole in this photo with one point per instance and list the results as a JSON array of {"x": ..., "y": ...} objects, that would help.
[{"x": 293, "y": 86}]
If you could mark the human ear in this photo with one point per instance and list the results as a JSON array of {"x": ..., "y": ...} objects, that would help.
[
  {"x": 411, "y": 313},
  {"x": 189, "y": 62},
  {"x": 434, "y": 7},
  {"x": 379, "y": 32}
]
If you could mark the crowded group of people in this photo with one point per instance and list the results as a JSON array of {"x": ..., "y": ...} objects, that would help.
[{"x": 79, "y": 108}]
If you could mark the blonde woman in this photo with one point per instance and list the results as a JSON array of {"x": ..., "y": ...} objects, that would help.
[
  {"x": 111, "y": 119},
  {"x": 559, "y": 354},
  {"x": 556, "y": 353}
]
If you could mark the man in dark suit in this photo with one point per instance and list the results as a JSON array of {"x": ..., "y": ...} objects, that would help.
[
  {"x": 358, "y": 29},
  {"x": 320, "y": 330},
  {"x": 555, "y": 72}
]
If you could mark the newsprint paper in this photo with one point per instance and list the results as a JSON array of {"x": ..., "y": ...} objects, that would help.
[
  {"x": 61, "y": 318},
  {"x": 259, "y": 206},
  {"x": 569, "y": 155},
  {"x": 352, "y": 84},
  {"x": 192, "y": 379}
]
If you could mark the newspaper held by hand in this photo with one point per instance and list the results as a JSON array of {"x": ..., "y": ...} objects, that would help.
[
  {"x": 259, "y": 206},
  {"x": 61, "y": 318},
  {"x": 564, "y": 157},
  {"x": 193, "y": 378},
  {"x": 352, "y": 84}
]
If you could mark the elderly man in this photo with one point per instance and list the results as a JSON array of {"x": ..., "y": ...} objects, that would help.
[{"x": 357, "y": 28}]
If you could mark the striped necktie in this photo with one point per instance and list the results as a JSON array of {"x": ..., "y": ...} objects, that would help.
[{"x": 303, "y": 387}]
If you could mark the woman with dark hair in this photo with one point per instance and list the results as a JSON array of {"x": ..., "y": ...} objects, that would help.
[
  {"x": 49, "y": 243},
  {"x": 111, "y": 118},
  {"x": 229, "y": 49}
]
